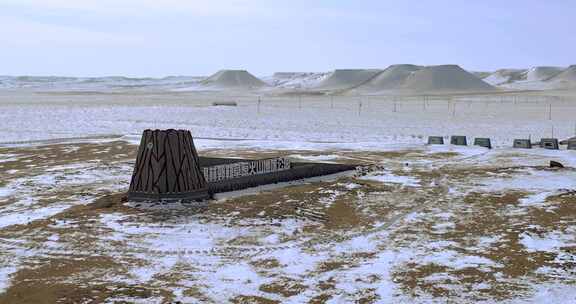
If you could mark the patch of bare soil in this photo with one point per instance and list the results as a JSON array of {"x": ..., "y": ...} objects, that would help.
[
  {"x": 252, "y": 300},
  {"x": 268, "y": 263},
  {"x": 37, "y": 158},
  {"x": 286, "y": 287},
  {"x": 71, "y": 280}
]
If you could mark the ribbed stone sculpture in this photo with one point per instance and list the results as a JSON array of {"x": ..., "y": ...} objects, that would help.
[{"x": 167, "y": 168}]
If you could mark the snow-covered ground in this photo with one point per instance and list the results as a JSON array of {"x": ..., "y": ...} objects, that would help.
[
  {"x": 428, "y": 224},
  {"x": 304, "y": 80},
  {"x": 359, "y": 122},
  {"x": 112, "y": 83},
  {"x": 295, "y": 80}
]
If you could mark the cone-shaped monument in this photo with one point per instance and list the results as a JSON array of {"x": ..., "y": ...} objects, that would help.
[{"x": 167, "y": 168}]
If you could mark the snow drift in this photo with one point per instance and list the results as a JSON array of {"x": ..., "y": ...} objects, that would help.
[
  {"x": 295, "y": 80},
  {"x": 542, "y": 78},
  {"x": 541, "y": 73},
  {"x": 503, "y": 76},
  {"x": 347, "y": 79}
]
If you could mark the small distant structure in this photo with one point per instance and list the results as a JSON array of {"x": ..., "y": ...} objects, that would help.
[
  {"x": 549, "y": 143},
  {"x": 522, "y": 144},
  {"x": 483, "y": 142},
  {"x": 570, "y": 143},
  {"x": 167, "y": 168},
  {"x": 458, "y": 140},
  {"x": 566, "y": 141},
  {"x": 225, "y": 103},
  {"x": 435, "y": 140},
  {"x": 555, "y": 164}
]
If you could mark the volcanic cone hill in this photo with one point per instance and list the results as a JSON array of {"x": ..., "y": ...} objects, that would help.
[
  {"x": 566, "y": 79},
  {"x": 444, "y": 78},
  {"x": 346, "y": 79},
  {"x": 233, "y": 79},
  {"x": 541, "y": 73},
  {"x": 567, "y": 75},
  {"x": 481, "y": 74},
  {"x": 392, "y": 78}
]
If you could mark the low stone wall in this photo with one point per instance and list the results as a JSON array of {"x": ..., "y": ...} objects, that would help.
[
  {"x": 245, "y": 168},
  {"x": 296, "y": 172}
]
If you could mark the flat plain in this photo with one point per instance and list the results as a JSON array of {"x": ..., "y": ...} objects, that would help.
[{"x": 425, "y": 224}]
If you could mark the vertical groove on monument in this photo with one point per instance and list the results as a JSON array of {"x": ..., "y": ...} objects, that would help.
[{"x": 167, "y": 167}]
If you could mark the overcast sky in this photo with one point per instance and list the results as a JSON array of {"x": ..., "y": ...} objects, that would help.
[{"x": 178, "y": 37}]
